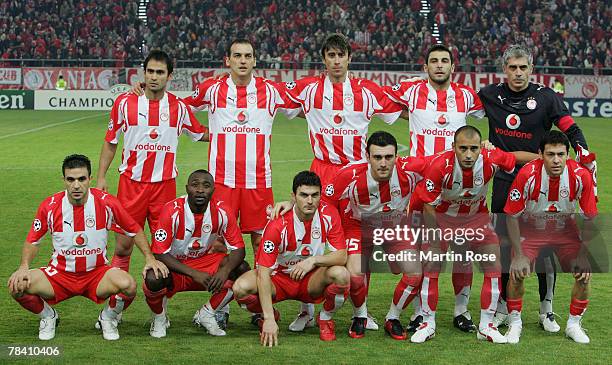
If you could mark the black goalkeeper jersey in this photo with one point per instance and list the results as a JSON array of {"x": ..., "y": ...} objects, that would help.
[{"x": 519, "y": 120}]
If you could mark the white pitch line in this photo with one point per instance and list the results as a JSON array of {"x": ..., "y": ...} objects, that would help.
[{"x": 49, "y": 126}]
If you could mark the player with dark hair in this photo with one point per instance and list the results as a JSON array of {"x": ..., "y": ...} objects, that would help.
[
  {"x": 520, "y": 113},
  {"x": 376, "y": 194},
  {"x": 371, "y": 195},
  {"x": 338, "y": 110},
  {"x": 151, "y": 125},
  {"x": 436, "y": 108},
  {"x": 292, "y": 263},
  {"x": 541, "y": 207},
  {"x": 78, "y": 219},
  {"x": 454, "y": 192},
  {"x": 183, "y": 240}
]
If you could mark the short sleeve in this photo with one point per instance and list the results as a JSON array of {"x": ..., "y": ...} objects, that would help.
[
  {"x": 162, "y": 239},
  {"x": 431, "y": 192},
  {"x": 200, "y": 99},
  {"x": 335, "y": 232},
  {"x": 190, "y": 124},
  {"x": 40, "y": 225},
  {"x": 269, "y": 245},
  {"x": 503, "y": 160},
  {"x": 231, "y": 233},
  {"x": 587, "y": 201},
  {"x": 518, "y": 193},
  {"x": 117, "y": 120},
  {"x": 121, "y": 217}
]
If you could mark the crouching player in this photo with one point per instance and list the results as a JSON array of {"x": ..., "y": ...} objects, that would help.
[
  {"x": 292, "y": 263},
  {"x": 454, "y": 194},
  {"x": 541, "y": 205},
  {"x": 79, "y": 219},
  {"x": 183, "y": 240}
]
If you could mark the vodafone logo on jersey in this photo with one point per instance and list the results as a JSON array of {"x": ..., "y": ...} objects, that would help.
[
  {"x": 306, "y": 251},
  {"x": 195, "y": 245},
  {"x": 79, "y": 240},
  {"x": 242, "y": 117},
  {"x": 513, "y": 121},
  {"x": 154, "y": 134},
  {"x": 338, "y": 120},
  {"x": 442, "y": 121}
]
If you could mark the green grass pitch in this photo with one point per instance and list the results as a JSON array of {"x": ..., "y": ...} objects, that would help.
[{"x": 32, "y": 146}]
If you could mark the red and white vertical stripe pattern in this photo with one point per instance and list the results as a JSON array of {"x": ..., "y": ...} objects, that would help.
[
  {"x": 339, "y": 114},
  {"x": 79, "y": 233},
  {"x": 240, "y": 120},
  {"x": 151, "y": 130},
  {"x": 369, "y": 197},
  {"x": 187, "y": 236},
  {"x": 463, "y": 192},
  {"x": 435, "y": 115}
]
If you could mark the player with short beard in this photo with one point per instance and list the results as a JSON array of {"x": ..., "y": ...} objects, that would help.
[
  {"x": 436, "y": 108},
  {"x": 79, "y": 219}
]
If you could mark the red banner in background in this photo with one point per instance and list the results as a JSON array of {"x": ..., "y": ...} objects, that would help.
[
  {"x": 77, "y": 78},
  {"x": 187, "y": 78}
]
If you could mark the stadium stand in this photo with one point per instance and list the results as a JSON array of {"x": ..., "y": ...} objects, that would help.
[{"x": 573, "y": 34}]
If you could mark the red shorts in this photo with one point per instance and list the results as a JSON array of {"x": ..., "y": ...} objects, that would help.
[
  {"x": 208, "y": 263},
  {"x": 249, "y": 204},
  {"x": 478, "y": 227},
  {"x": 287, "y": 288},
  {"x": 70, "y": 284},
  {"x": 356, "y": 243},
  {"x": 565, "y": 251},
  {"x": 144, "y": 201},
  {"x": 325, "y": 171}
]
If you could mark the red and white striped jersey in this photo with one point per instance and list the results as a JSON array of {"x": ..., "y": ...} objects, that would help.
[
  {"x": 79, "y": 232},
  {"x": 546, "y": 204},
  {"x": 185, "y": 235},
  {"x": 240, "y": 121},
  {"x": 367, "y": 197},
  {"x": 287, "y": 240},
  {"x": 459, "y": 192},
  {"x": 435, "y": 115},
  {"x": 151, "y": 129},
  {"x": 339, "y": 115}
]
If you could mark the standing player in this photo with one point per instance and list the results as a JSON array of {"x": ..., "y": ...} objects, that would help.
[
  {"x": 454, "y": 193},
  {"x": 241, "y": 110},
  {"x": 519, "y": 113},
  {"x": 438, "y": 107},
  {"x": 292, "y": 263},
  {"x": 79, "y": 219},
  {"x": 338, "y": 110},
  {"x": 541, "y": 205},
  {"x": 183, "y": 240},
  {"x": 151, "y": 124}
]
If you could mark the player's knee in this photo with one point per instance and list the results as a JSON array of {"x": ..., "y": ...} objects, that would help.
[
  {"x": 155, "y": 284},
  {"x": 243, "y": 287},
  {"x": 339, "y": 275},
  {"x": 124, "y": 283}
]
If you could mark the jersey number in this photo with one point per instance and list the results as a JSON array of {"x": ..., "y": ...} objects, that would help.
[
  {"x": 352, "y": 244},
  {"x": 50, "y": 270}
]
